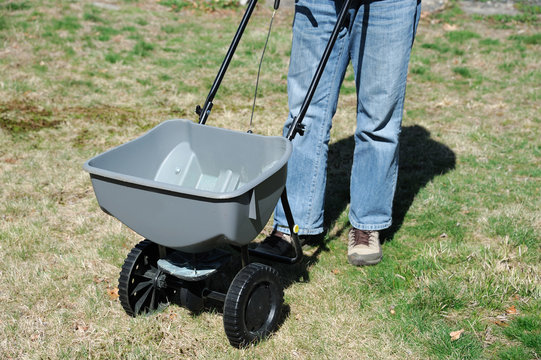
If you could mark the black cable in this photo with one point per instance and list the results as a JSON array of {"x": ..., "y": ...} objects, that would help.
[{"x": 259, "y": 70}]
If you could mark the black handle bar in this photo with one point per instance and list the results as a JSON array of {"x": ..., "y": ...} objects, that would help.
[
  {"x": 204, "y": 111},
  {"x": 297, "y": 127}
]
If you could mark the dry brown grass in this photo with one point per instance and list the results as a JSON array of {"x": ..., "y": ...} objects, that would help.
[{"x": 61, "y": 254}]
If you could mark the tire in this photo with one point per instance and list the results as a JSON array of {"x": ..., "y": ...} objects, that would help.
[
  {"x": 141, "y": 285},
  {"x": 253, "y": 305}
]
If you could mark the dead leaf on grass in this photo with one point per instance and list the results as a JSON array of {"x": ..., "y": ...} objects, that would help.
[
  {"x": 10, "y": 161},
  {"x": 512, "y": 310},
  {"x": 449, "y": 27},
  {"x": 99, "y": 280},
  {"x": 113, "y": 293},
  {"x": 425, "y": 15},
  {"x": 455, "y": 335},
  {"x": 501, "y": 320},
  {"x": 80, "y": 328},
  {"x": 336, "y": 271},
  {"x": 168, "y": 317}
]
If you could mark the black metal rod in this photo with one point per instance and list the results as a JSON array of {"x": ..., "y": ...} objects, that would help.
[
  {"x": 292, "y": 228},
  {"x": 214, "y": 295},
  {"x": 296, "y": 126},
  {"x": 244, "y": 255},
  {"x": 294, "y": 236},
  {"x": 207, "y": 107}
]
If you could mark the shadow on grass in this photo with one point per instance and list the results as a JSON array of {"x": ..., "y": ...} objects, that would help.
[{"x": 420, "y": 160}]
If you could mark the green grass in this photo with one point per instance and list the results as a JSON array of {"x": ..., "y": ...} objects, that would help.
[
  {"x": 462, "y": 71},
  {"x": 206, "y": 5},
  {"x": 16, "y": 6},
  {"x": 104, "y": 33},
  {"x": 464, "y": 251},
  {"x": 527, "y": 331},
  {"x": 534, "y": 39},
  {"x": 142, "y": 48},
  {"x": 113, "y": 58},
  {"x": 461, "y": 36},
  {"x": 69, "y": 23},
  {"x": 3, "y": 23}
]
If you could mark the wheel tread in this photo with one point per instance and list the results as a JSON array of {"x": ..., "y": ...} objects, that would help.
[
  {"x": 234, "y": 330},
  {"x": 125, "y": 272}
]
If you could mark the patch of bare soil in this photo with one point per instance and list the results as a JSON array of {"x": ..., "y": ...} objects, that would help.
[{"x": 18, "y": 116}]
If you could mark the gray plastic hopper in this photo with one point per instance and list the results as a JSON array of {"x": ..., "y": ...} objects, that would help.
[{"x": 192, "y": 187}]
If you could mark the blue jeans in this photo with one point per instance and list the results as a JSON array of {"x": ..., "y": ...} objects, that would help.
[{"x": 377, "y": 38}]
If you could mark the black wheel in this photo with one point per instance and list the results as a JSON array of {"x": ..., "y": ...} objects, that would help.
[
  {"x": 141, "y": 285},
  {"x": 252, "y": 305}
]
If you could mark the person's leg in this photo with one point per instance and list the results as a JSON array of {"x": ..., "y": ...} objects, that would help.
[
  {"x": 307, "y": 167},
  {"x": 382, "y": 37},
  {"x": 381, "y": 41}
]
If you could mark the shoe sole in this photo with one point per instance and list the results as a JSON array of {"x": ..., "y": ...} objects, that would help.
[{"x": 361, "y": 262}]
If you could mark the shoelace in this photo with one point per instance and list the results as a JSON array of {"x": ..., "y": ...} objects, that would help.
[{"x": 360, "y": 237}]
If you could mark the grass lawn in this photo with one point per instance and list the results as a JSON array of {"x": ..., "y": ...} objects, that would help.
[{"x": 461, "y": 273}]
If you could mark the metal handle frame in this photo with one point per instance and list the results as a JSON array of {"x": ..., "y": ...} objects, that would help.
[
  {"x": 296, "y": 127},
  {"x": 204, "y": 111}
]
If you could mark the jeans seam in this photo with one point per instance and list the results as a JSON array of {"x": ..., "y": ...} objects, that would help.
[{"x": 322, "y": 129}]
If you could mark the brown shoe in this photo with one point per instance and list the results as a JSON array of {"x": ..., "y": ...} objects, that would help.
[
  {"x": 363, "y": 247},
  {"x": 277, "y": 243}
]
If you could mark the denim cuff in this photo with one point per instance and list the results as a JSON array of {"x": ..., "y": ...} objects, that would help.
[{"x": 285, "y": 230}]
